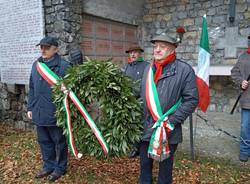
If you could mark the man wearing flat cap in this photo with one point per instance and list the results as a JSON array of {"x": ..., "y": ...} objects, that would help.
[
  {"x": 134, "y": 69},
  {"x": 240, "y": 74},
  {"x": 136, "y": 64},
  {"x": 169, "y": 95},
  {"x": 41, "y": 110}
]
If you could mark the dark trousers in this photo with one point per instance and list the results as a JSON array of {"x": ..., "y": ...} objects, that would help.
[
  {"x": 146, "y": 164},
  {"x": 53, "y": 147}
]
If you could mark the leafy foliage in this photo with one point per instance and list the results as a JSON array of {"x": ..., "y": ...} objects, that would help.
[
  {"x": 20, "y": 160},
  {"x": 108, "y": 96}
]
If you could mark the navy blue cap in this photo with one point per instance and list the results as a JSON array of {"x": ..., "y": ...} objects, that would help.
[{"x": 48, "y": 40}]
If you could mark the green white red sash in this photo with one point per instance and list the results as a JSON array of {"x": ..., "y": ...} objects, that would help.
[
  {"x": 158, "y": 146},
  {"x": 52, "y": 79}
]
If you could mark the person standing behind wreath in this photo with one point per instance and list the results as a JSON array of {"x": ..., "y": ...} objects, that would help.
[
  {"x": 169, "y": 95},
  {"x": 240, "y": 74},
  {"x": 135, "y": 69},
  {"x": 41, "y": 110}
]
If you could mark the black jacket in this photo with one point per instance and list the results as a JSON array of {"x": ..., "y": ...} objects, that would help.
[
  {"x": 177, "y": 80},
  {"x": 135, "y": 71},
  {"x": 40, "y": 93}
]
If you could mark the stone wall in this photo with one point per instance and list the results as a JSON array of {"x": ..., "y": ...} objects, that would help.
[
  {"x": 161, "y": 15},
  {"x": 13, "y": 100},
  {"x": 62, "y": 20},
  {"x": 128, "y": 11}
]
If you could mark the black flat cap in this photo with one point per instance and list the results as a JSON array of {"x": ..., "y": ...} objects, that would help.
[
  {"x": 135, "y": 47},
  {"x": 48, "y": 40}
]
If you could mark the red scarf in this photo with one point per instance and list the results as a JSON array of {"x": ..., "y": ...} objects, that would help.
[
  {"x": 159, "y": 65},
  {"x": 248, "y": 50}
]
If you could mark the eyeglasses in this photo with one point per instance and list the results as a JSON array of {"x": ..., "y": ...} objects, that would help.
[{"x": 45, "y": 47}]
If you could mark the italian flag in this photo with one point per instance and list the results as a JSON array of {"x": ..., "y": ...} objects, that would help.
[{"x": 202, "y": 76}]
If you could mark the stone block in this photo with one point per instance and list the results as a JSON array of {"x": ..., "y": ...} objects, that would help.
[
  {"x": 153, "y": 11},
  {"x": 162, "y": 10},
  {"x": 192, "y": 13},
  {"x": 201, "y": 13},
  {"x": 188, "y": 22},
  {"x": 197, "y": 6},
  {"x": 60, "y": 16},
  {"x": 167, "y": 17},
  {"x": 50, "y": 10},
  {"x": 59, "y": 7},
  {"x": 3, "y": 94},
  {"x": 148, "y": 6},
  {"x": 181, "y": 49},
  {"x": 47, "y": 3},
  {"x": 219, "y": 19},
  {"x": 55, "y": 2},
  {"x": 26, "y": 89},
  {"x": 148, "y": 18},
  {"x": 240, "y": 8},
  {"x": 247, "y": 16},
  {"x": 50, "y": 18},
  {"x": 12, "y": 88},
  {"x": 245, "y": 31},
  {"x": 172, "y": 9},
  {"x": 217, "y": 3},
  {"x": 211, "y": 11},
  {"x": 49, "y": 28},
  {"x": 182, "y": 14},
  {"x": 16, "y": 106},
  {"x": 206, "y": 4},
  {"x": 189, "y": 7},
  {"x": 220, "y": 10},
  {"x": 158, "y": 4},
  {"x": 58, "y": 26},
  {"x": 152, "y": 1},
  {"x": 231, "y": 61},
  {"x": 198, "y": 21},
  {"x": 194, "y": 56},
  {"x": 180, "y": 8},
  {"x": 191, "y": 35}
]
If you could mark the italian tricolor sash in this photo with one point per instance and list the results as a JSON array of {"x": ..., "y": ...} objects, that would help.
[
  {"x": 158, "y": 146},
  {"x": 53, "y": 79}
]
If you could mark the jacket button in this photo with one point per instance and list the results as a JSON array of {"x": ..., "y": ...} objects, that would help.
[{"x": 40, "y": 78}]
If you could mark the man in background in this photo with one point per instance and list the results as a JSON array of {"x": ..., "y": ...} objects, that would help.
[
  {"x": 240, "y": 75},
  {"x": 134, "y": 69}
]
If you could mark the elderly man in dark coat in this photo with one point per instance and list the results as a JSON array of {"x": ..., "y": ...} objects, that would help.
[
  {"x": 135, "y": 69},
  {"x": 41, "y": 110},
  {"x": 170, "y": 95}
]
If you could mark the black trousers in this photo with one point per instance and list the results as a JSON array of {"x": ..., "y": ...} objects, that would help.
[
  {"x": 165, "y": 167},
  {"x": 53, "y": 147}
]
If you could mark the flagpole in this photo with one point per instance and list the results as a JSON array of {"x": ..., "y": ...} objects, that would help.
[{"x": 191, "y": 137}]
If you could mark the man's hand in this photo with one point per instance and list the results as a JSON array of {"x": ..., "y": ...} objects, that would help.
[
  {"x": 29, "y": 114},
  {"x": 244, "y": 84}
]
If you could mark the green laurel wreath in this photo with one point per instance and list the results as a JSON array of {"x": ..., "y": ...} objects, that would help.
[{"x": 108, "y": 96}]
